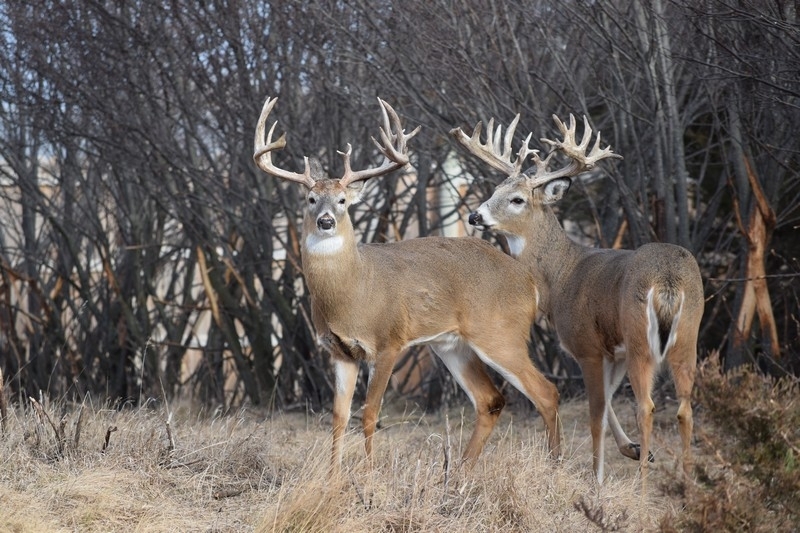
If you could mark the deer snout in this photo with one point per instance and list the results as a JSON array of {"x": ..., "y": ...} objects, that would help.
[
  {"x": 326, "y": 222},
  {"x": 475, "y": 219}
]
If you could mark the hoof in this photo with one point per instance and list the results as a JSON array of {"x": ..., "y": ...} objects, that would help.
[{"x": 634, "y": 451}]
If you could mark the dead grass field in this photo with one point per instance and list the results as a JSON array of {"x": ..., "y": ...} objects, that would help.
[{"x": 250, "y": 471}]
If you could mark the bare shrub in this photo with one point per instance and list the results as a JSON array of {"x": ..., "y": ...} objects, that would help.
[{"x": 750, "y": 478}]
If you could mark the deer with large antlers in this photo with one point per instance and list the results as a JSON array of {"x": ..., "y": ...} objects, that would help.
[
  {"x": 464, "y": 298},
  {"x": 614, "y": 311}
]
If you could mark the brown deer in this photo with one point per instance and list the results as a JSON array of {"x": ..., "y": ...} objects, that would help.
[
  {"x": 370, "y": 302},
  {"x": 613, "y": 310}
]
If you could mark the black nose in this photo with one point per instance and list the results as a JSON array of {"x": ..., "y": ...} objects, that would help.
[
  {"x": 475, "y": 219},
  {"x": 326, "y": 222}
]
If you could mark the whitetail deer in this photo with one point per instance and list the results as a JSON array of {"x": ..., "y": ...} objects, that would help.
[
  {"x": 370, "y": 302},
  {"x": 613, "y": 310}
]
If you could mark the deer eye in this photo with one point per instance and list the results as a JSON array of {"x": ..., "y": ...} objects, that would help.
[
  {"x": 312, "y": 200},
  {"x": 517, "y": 200},
  {"x": 341, "y": 201}
]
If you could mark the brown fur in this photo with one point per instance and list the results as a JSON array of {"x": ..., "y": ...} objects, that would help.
[
  {"x": 596, "y": 301},
  {"x": 613, "y": 310},
  {"x": 379, "y": 299}
]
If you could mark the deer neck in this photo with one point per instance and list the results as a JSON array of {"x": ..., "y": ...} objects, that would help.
[
  {"x": 332, "y": 266},
  {"x": 549, "y": 252}
]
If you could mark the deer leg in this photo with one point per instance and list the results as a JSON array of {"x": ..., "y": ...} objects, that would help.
[
  {"x": 379, "y": 376},
  {"x": 640, "y": 375},
  {"x": 505, "y": 359},
  {"x": 682, "y": 361},
  {"x": 614, "y": 372},
  {"x": 346, "y": 372},
  {"x": 470, "y": 373},
  {"x": 594, "y": 379}
]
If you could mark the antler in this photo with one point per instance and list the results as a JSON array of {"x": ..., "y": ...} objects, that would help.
[
  {"x": 490, "y": 151},
  {"x": 263, "y": 149},
  {"x": 579, "y": 160},
  {"x": 500, "y": 157},
  {"x": 394, "y": 149}
]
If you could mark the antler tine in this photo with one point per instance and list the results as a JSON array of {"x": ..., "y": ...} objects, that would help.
[
  {"x": 393, "y": 148},
  {"x": 262, "y": 149},
  {"x": 492, "y": 151},
  {"x": 597, "y": 154},
  {"x": 579, "y": 160}
]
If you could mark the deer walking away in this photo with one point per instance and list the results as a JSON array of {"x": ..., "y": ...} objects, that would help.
[
  {"x": 614, "y": 311},
  {"x": 471, "y": 303}
]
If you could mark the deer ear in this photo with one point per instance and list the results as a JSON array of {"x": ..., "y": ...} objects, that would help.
[
  {"x": 555, "y": 190},
  {"x": 355, "y": 191}
]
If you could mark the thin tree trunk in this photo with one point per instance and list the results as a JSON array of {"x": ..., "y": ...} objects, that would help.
[{"x": 674, "y": 135}]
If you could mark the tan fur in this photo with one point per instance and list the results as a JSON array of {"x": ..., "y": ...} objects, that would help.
[
  {"x": 371, "y": 302},
  {"x": 379, "y": 299},
  {"x": 596, "y": 299}
]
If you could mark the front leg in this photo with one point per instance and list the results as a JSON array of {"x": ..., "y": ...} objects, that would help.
[
  {"x": 345, "y": 369},
  {"x": 380, "y": 372},
  {"x": 346, "y": 372}
]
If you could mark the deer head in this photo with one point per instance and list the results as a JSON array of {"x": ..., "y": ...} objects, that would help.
[
  {"x": 517, "y": 203},
  {"x": 326, "y": 222}
]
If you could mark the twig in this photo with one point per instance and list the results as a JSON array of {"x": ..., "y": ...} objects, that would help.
[
  {"x": 794, "y": 448},
  {"x": 78, "y": 424},
  {"x": 756, "y": 278},
  {"x": 227, "y": 493},
  {"x": 3, "y": 407},
  {"x": 62, "y": 433},
  {"x": 42, "y": 415},
  {"x": 596, "y": 514},
  {"x": 364, "y": 503},
  {"x": 446, "y": 452},
  {"x": 109, "y": 431},
  {"x": 171, "y": 445}
]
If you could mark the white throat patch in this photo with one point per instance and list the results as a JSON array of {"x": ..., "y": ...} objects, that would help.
[
  {"x": 324, "y": 244},
  {"x": 515, "y": 244}
]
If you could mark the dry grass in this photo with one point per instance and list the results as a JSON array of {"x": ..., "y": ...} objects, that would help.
[
  {"x": 514, "y": 487},
  {"x": 253, "y": 472}
]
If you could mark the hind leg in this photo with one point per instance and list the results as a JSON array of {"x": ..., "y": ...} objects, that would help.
[
  {"x": 614, "y": 371},
  {"x": 682, "y": 360},
  {"x": 513, "y": 364},
  {"x": 593, "y": 379},
  {"x": 469, "y": 372},
  {"x": 641, "y": 369}
]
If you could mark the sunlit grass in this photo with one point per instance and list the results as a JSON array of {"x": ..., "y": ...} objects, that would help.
[{"x": 250, "y": 471}]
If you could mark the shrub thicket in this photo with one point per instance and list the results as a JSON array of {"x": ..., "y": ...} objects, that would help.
[{"x": 749, "y": 479}]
